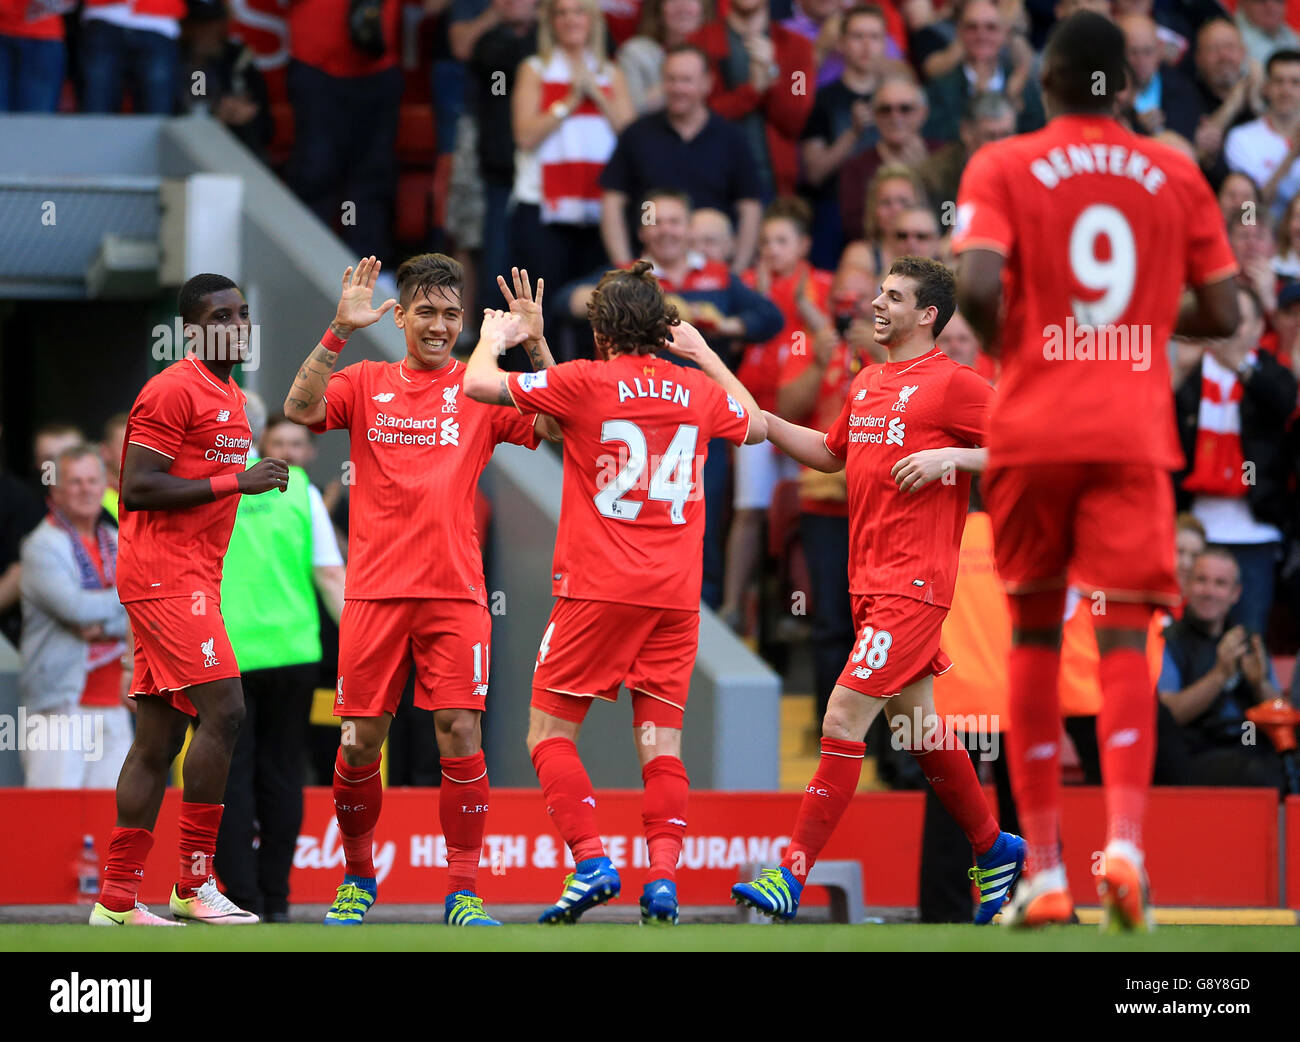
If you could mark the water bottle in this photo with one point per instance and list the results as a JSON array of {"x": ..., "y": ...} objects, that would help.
[{"x": 88, "y": 872}]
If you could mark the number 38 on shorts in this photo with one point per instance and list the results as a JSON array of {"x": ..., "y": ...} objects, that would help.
[{"x": 897, "y": 645}]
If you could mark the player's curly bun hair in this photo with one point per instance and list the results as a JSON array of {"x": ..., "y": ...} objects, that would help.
[{"x": 628, "y": 312}]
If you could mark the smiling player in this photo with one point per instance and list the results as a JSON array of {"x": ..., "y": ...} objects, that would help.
[
  {"x": 908, "y": 490},
  {"x": 185, "y": 450},
  {"x": 415, "y": 589}
]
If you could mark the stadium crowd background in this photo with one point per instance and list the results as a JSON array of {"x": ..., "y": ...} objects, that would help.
[{"x": 771, "y": 161}]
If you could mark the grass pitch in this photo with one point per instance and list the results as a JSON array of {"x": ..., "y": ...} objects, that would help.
[{"x": 601, "y": 937}]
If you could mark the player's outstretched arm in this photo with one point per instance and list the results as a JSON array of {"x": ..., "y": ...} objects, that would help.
[
  {"x": 305, "y": 402},
  {"x": 979, "y": 295},
  {"x": 484, "y": 381},
  {"x": 686, "y": 342},
  {"x": 147, "y": 485},
  {"x": 912, "y": 473},
  {"x": 802, "y": 444}
]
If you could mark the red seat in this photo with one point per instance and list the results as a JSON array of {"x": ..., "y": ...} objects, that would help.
[
  {"x": 416, "y": 140},
  {"x": 413, "y": 206},
  {"x": 1284, "y": 665},
  {"x": 282, "y": 134}
]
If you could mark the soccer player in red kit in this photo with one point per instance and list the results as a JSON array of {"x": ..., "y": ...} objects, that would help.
[
  {"x": 628, "y": 560},
  {"x": 185, "y": 450},
  {"x": 907, "y": 437},
  {"x": 1091, "y": 232},
  {"x": 415, "y": 590}
]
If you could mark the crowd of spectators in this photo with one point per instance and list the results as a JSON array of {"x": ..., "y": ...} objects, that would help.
[{"x": 771, "y": 159}]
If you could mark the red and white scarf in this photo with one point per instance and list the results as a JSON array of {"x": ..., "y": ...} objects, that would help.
[
  {"x": 573, "y": 155},
  {"x": 1218, "y": 459}
]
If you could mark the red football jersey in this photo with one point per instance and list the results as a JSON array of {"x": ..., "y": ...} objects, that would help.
[
  {"x": 418, "y": 448},
  {"x": 198, "y": 422},
  {"x": 907, "y": 542},
  {"x": 1100, "y": 229},
  {"x": 636, "y": 434}
]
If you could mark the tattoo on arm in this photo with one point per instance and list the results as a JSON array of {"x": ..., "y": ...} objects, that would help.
[
  {"x": 539, "y": 353},
  {"x": 503, "y": 393},
  {"x": 313, "y": 378}
]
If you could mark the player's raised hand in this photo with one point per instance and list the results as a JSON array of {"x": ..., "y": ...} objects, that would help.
[
  {"x": 355, "y": 310},
  {"x": 264, "y": 475},
  {"x": 685, "y": 341},
  {"x": 502, "y": 329},
  {"x": 522, "y": 302},
  {"x": 912, "y": 473}
]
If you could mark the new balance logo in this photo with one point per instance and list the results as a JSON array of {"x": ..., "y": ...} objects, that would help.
[
  {"x": 223, "y": 415},
  {"x": 449, "y": 433},
  {"x": 339, "y": 701},
  {"x": 897, "y": 429},
  {"x": 1122, "y": 739},
  {"x": 209, "y": 656},
  {"x": 860, "y": 395},
  {"x": 589, "y": 799},
  {"x": 480, "y": 691},
  {"x": 862, "y": 672},
  {"x": 386, "y": 396},
  {"x": 449, "y": 398},
  {"x": 677, "y": 821},
  {"x": 1041, "y": 751},
  {"x": 903, "y": 396}
]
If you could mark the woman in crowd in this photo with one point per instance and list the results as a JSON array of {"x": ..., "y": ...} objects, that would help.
[
  {"x": 894, "y": 189},
  {"x": 568, "y": 106},
  {"x": 664, "y": 24}
]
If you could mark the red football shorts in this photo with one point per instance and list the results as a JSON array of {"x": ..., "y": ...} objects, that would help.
[
  {"x": 449, "y": 642},
  {"x": 591, "y": 647},
  {"x": 180, "y": 642},
  {"x": 898, "y": 644},
  {"x": 1101, "y": 527}
]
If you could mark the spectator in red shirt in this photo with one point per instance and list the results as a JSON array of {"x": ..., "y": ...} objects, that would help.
[
  {"x": 32, "y": 55},
  {"x": 785, "y": 277},
  {"x": 345, "y": 88},
  {"x": 764, "y": 77}
]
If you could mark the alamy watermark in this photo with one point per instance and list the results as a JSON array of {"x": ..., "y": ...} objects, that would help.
[
  {"x": 242, "y": 344},
  {"x": 53, "y": 732},
  {"x": 925, "y": 733},
  {"x": 1076, "y": 342}
]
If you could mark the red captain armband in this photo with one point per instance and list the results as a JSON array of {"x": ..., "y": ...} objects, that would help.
[
  {"x": 224, "y": 485},
  {"x": 331, "y": 342}
]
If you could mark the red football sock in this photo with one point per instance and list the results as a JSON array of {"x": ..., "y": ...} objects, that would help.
[
  {"x": 952, "y": 776},
  {"x": 1126, "y": 736},
  {"x": 1034, "y": 747},
  {"x": 124, "y": 868},
  {"x": 358, "y": 798},
  {"x": 570, "y": 799},
  {"x": 198, "y": 849},
  {"x": 462, "y": 808},
  {"x": 824, "y": 803},
  {"x": 663, "y": 813}
]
